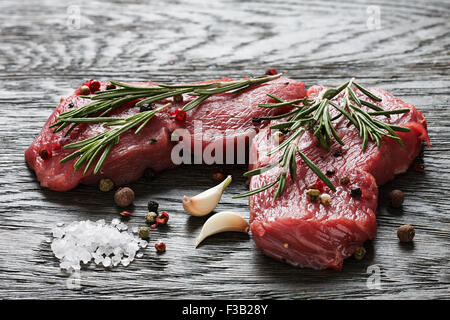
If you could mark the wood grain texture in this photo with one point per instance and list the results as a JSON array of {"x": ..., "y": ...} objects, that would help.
[{"x": 44, "y": 55}]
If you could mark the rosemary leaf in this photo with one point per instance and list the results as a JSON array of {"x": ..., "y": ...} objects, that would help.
[
  {"x": 316, "y": 170},
  {"x": 255, "y": 191},
  {"x": 367, "y": 92}
]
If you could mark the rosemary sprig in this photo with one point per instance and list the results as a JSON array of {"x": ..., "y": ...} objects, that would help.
[
  {"x": 315, "y": 116},
  {"x": 106, "y": 101},
  {"x": 91, "y": 148}
]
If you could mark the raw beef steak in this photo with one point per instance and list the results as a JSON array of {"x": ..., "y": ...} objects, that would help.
[
  {"x": 229, "y": 114},
  {"x": 307, "y": 233}
]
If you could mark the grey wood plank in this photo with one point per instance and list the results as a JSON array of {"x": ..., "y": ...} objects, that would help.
[{"x": 44, "y": 56}]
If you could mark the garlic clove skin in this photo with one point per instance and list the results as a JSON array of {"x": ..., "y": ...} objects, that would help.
[
  {"x": 205, "y": 202},
  {"x": 222, "y": 222}
]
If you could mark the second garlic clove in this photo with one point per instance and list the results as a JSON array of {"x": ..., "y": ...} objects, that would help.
[
  {"x": 222, "y": 222},
  {"x": 205, "y": 202}
]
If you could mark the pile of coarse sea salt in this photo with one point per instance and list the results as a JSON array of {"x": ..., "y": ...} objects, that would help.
[{"x": 105, "y": 244}]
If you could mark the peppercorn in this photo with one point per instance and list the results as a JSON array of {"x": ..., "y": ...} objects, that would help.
[
  {"x": 311, "y": 186},
  {"x": 325, "y": 199},
  {"x": 125, "y": 213},
  {"x": 313, "y": 194},
  {"x": 146, "y": 107},
  {"x": 162, "y": 218},
  {"x": 106, "y": 185},
  {"x": 356, "y": 193},
  {"x": 330, "y": 172},
  {"x": 110, "y": 86},
  {"x": 271, "y": 72},
  {"x": 152, "y": 206},
  {"x": 150, "y": 217},
  {"x": 360, "y": 253},
  {"x": 45, "y": 153},
  {"x": 124, "y": 197},
  {"x": 149, "y": 174},
  {"x": 345, "y": 180},
  {"x": 153, "y": 141},
  {"x": 84, "y": 90},
  {"x": 337, "y": 153},
  {"x": 144, "y": 232},
  {"x": 94, "y": 86},
  {"x": 278, "y": 137},
  {"x": 396, "y": 198},
  {"x": 160, "y": 247},
  {"x": 179, "y": 114},
  {"x": 406, "y": 233},
  {"x": 256, "y": 120},
  {"x": 178, "y": 98},
  {"x": 218, "y": 176},
  {"x": 71, "y": 105}
]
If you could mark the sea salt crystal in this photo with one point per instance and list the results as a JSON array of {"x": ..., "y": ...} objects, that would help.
[
  {"x": 86, "y": 241},
  {"x": 143, "y": 244}
]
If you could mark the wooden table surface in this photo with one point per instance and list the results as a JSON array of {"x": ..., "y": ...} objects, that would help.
[{"x": 48, "y": 48}]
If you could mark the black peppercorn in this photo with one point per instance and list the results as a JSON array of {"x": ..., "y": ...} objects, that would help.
[
  {"x": 256, "y": 120},
  {"x": 356, "y": 193},
  {"x": 110, "y": 86},
  {"x": 330, "y": 172},
  {"x": 152, "y": 206},
  {"x": 146, "y": 107},
  {"x": 71, "y": 105},
  {"x": 337, "y": 153}
]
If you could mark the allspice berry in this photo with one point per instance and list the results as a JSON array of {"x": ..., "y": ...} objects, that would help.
[
  {"x": 406, "y": 233},
  {"x": 218, "y": 176},
  {"x": 124, "y": 197},
  {"x": 396, "y": 198}
]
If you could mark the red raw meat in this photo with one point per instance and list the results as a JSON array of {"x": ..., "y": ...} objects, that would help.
[
  {"x": 128, "y": 160},
  {"x": 303, "y": 233}
]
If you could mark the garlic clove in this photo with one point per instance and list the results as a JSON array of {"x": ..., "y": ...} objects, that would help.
[
  {"x": 205, "y": 202},
  {"x": 222, "y": 222}
]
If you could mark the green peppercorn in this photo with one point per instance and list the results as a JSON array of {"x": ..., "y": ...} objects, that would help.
[
  {"x": 106, "y": 185},
  {"x": 150, "y": 217},
  {"x": 360, "y": 253},
  {"x": 144, "y": 232},
  {"x": 313, "y": 194},
  {"x": 84, "y": 90}
]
